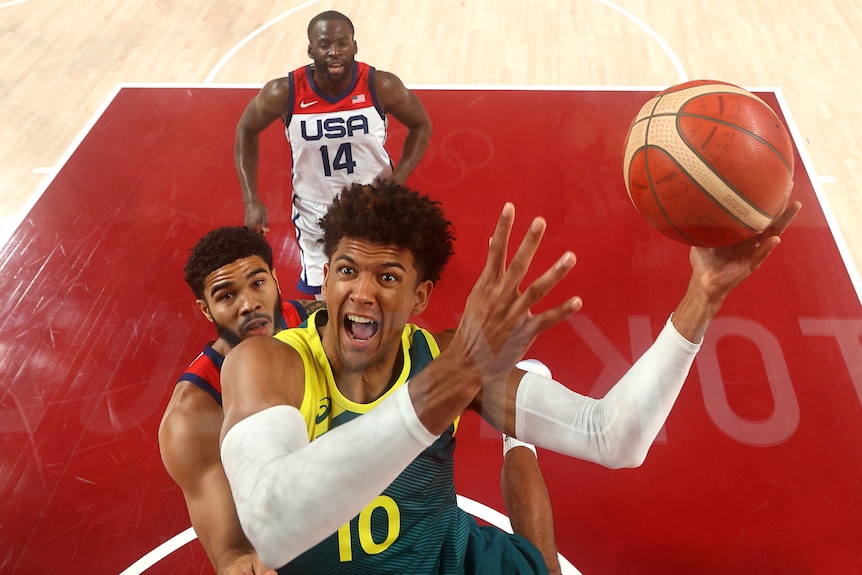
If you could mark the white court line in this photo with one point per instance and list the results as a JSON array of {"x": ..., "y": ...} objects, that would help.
[
  {"x": 817, "y": 184},
  {"x": 680, "y": 71},
  {"x": 161, "y": 552},
  {"x": 12, "y": 3},
  {"x": 251, "y": 36},
  {"x": 7, "y": 228},
  {"x": 500, "y": 521},
  {"x": 677, "y": 64},
  {"x": 474, "y": 508}
]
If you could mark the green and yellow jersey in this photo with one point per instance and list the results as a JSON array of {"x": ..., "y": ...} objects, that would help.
[{"x": 415, "y": 525}]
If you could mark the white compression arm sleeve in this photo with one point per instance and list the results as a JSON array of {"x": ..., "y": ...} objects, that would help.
[
  {"x": 617, "y": 430},
  {"x": 290, "y": 493}
]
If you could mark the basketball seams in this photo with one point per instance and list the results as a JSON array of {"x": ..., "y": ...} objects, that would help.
[
  {"x": 696, "y": 91},
  {"x": 699, "y": 186},
  {"x": 636, "y": 140},
  {"x": 704, "y": 155},
  {"x": 664, "y": 134},
  {"x": 658, "y": 203},
  {"x": 712, "y": 172},
  {"x": 741, "y": 130}
]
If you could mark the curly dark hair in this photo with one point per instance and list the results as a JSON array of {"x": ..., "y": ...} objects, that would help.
[
  {"x": 220, "y": 247},
  {"x": 391, "y": 214}
]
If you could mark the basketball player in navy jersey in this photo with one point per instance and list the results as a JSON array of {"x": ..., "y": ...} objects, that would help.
[
  {"x": 230, "y": 272},
  {"x": 338, "y": 446},
  {"x": 335, "y": 115}
]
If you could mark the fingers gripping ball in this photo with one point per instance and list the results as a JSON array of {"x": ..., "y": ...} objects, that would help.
[{"x": 708, "y": 163}]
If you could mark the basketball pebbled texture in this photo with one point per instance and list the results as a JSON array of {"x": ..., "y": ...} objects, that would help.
[{"x": 708, "y": 163}]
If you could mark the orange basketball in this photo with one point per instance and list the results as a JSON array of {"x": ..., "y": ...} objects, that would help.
[{"x": 708, "y": 163}]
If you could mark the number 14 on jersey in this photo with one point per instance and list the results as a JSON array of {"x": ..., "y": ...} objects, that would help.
[{"x": 343, "y": 159}]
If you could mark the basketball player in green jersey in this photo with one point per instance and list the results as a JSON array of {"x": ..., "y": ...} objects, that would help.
[
  {"x": 338, "y": 446},
  {"x": 230, "y": 272}
]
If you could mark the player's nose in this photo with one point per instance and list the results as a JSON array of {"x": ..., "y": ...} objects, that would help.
[
  {"x": 363, "y": 288},
  {"x": 249, "y": 302}
]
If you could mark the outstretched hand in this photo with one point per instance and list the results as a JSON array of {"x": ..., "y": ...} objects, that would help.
[
  {"x": 716, "y": 271},
  {"x": 722, "y": 269},
  {"x": 498, "y": 327}
]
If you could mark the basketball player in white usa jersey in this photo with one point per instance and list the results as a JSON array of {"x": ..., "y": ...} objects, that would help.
[{"x": 335, "y": 113}]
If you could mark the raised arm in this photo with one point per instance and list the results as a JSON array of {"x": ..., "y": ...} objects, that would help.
[
  {"x": 267, "y": 106},
  {"x": 267, "y": 456},
  {"x": 188, "y": 440},
  {"x": 618, "y": 430},
  {"x": 405, "y": 107}
]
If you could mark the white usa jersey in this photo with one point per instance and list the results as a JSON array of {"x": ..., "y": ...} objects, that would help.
[{"x": 338, "y": 141}]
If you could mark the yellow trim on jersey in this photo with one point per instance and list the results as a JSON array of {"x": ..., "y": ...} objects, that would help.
[{"x": 322, "y": 401}]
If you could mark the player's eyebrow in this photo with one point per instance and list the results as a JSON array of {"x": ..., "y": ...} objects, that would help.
[
  {"x": 392, "y": 264},
  {"x": 217, "y": 287},
  {"x": 229, "y": 283},
  {"x": 254, "y": 272}
]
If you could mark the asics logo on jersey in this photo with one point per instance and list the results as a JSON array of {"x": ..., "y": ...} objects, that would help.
[
  {"x": 305, "y": 105},
  {"x": 333, "y": 127},
  {"x": 323, "y": 410}
]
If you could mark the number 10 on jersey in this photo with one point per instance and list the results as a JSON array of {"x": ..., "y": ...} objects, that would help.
[{"x": 382, "y": 504}]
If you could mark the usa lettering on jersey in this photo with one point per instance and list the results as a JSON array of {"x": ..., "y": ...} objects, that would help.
[{"x": 313, "y": 129}]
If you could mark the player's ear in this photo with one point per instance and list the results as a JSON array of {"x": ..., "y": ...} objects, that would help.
[
  {"x": 325, "y": 275},
  {"x": 355, "y": 47},
  {"x": 421, "y": 295},
  {"x": 205, "y": 309},
  {"x": 275, "y": 277},
  {"x": 309, "y": 52}
]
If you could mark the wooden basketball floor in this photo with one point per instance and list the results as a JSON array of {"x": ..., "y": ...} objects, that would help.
[{"x": 757, "y": 469}]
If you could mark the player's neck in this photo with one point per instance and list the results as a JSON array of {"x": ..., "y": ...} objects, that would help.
[
  {"x": 368, "y": 384},
  {"x": 332, "y": 87},
  {"x": 222, "y": 346}
]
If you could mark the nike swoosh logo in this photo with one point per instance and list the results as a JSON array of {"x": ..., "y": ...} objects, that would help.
[{"x": 304, "y": 105}]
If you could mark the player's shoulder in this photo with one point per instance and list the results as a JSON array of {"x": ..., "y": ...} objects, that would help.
[
  {"x": 262, "y": 354},
  {"x": 390, "y": 90},
  {"x": 192, "y": 418},
  {"x": 386, "y": 80},
  {"x": 187, "y": 405},
  {"x": 277, "y": 89}
]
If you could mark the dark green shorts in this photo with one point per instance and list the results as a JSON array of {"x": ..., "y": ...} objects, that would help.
[{"x": 492, "y": 551}]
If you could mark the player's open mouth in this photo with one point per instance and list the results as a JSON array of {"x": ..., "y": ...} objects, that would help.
[
  {"x": 255, "y": 327},
  {"x": 360, "y": 328}
]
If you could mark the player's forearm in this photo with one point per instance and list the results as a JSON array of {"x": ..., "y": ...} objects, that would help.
[
  {"x": 215, "y": 522},
  {"x": 414, "y": 148},
  {"x": 528, "y": 504},
  {"x": 695, "y": 311},
  {"x": 279, "y": 479},
  {"x": 617, "y": 430},
  {"x": 233, "y": 557},
  {"x": 246, "y": 159}
]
